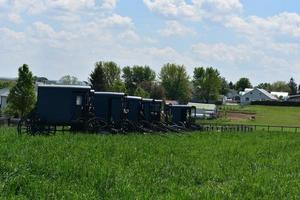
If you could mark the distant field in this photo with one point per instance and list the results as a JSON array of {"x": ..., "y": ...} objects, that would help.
[
  {"x": 188, "y": 166},
  {"x": 265, "y": 115}
]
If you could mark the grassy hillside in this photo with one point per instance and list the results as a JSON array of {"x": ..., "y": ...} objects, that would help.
[
  {"x": 265, "y": 115},
  {"x": 189, "y": 166}
]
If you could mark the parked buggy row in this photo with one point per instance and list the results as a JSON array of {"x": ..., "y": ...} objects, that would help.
[{"x": 83, "y": 110}]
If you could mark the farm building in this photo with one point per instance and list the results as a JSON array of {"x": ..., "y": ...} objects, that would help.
[
  {"x": 232, "y": 96},
  {"x": 3, "y": 98},
  {"x": 205, "y": 110},
  {"x": 294, "y": 98},
  {"x": 281, "y": 95},
  {"x": 256, "y": 94}
]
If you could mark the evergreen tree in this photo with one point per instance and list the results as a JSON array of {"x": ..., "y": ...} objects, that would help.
[
  {"x": 22, "y": 98},
  {"x": 97, "y": 78},
  {"x": 293, "y": 86}
]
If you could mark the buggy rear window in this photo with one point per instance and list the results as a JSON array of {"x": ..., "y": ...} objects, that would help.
[{"x": 78, "y": 100}]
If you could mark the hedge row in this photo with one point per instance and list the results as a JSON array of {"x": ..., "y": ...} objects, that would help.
[{"x": 276, "y": 103}]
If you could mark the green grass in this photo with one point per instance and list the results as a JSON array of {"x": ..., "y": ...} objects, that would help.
[
  {"x": 188, "y": 166},
  {"x": 266, "y": 115}
]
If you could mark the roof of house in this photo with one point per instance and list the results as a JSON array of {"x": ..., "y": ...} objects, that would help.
[
  {"x": 266, "y": 93},
  {"x": 4, "y": 92}
]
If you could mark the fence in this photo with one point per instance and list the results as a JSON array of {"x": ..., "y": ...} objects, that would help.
[
  {"x": 9, "y": 121},
  {"x": 247, "y": 128}
]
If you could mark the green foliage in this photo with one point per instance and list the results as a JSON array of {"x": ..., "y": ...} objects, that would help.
[
  {"x": 7, "y": 84},
  {"x": 242, "y": 84},
  {"x": 97, "y": 78},
  {"x": 157, "y": 91},
  {"x": 207, "y": 84},
  {"x": 22, "y": 96},
  {"x": 265, "y": 86},
  {"x": 224, "y": 86},
  {"x": 193, "y": 166},
  {"x": 141, "y": 93},
  {"x": 293, "y": 86},
  {"x": 280, "y": 86},
  {"x": 118, "y": 86},
  {"x": 175, "y": 80},
  {"x": 136, "y": 75},
  {"x": 112, "y": 73},
  {"x": 68, "y": 80},
  {"x": 106, "y": 76}
]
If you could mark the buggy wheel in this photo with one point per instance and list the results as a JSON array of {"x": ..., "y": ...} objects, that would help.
[
  {"x": 24, "y": 126},
  {"x": 95, "y": 125}
]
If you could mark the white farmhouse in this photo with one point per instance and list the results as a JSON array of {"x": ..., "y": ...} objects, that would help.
[{"x": 256, "y": 95}]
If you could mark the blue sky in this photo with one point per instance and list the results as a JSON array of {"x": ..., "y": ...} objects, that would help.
[{"x": 241, "y": 38}]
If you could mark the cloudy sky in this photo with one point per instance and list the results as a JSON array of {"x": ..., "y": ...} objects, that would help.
[{"x": 259, "y": 39}]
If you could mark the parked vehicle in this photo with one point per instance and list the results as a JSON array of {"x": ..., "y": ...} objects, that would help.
[{"x": 81, "y": 109}]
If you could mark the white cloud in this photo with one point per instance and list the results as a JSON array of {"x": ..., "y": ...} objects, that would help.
[
  {"x": 196, "y": 9},
  {"x": 109, "y": 4},
  {"x": 174, "y": 28},
  {"x": 2, "y": 2},
  {"x": 8, "y": 34},
  {"x": 173, "y": 8},
  {"x": 287, "y": 24},
  {"x": 16, "y": 18},
  {"x": 116, "y": 20},
  {"x": 129, "y": 36}
]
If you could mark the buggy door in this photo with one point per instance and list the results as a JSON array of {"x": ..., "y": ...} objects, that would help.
[
  {"x": 116, "y": 110},
  {"x": 78, "y": 104}
]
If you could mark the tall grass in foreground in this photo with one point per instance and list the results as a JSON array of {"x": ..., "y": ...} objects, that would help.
[{"x": 187, "y": 166}]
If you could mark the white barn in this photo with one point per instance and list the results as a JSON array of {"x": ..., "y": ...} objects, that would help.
[{"x": 257, "y": 95}]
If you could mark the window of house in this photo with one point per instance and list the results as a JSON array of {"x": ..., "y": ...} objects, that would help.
[
  {"x": 247, "y": 99},
  {"x": 78, "y": 100}
]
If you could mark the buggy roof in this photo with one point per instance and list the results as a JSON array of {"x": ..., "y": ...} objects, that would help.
[
  {"x": 111, "y": 93},
  {"x": 134, "y": 97},
  {"x": 153, "y": 100},
  {"x": 65, "y": 86}
]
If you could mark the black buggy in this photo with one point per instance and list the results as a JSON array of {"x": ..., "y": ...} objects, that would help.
[{"x": 58, "y": 106}]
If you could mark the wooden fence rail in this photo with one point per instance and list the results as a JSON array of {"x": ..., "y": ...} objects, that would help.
[{"x": 247, "y": 128}]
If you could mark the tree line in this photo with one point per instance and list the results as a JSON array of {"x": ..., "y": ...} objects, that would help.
[{"x": 172, "y": 83}]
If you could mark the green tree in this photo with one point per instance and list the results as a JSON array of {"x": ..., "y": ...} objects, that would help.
[
  {"x": 224, "y": 86},
  {"x": 112, "y": 73},
  {"x": 7, "y": 84},
  {"x": 68, "y": 80},
  {"x": 293, "y": 86},
  {"x": 231, "y": 85},
  {"x": 141, "y": 93},
  {"x": 242, "y": 84},
  {"x": 21, "y": 98},
  {"x": 265, "y": 86},
  {"x": 280, "y": 86},
  {"x": 118, "y": 86},
  {"x": 97, "y": 78},
  {"x": 175, "y": 80},
  {"x": 136, "y": 76},
  {"x": 207, "y": 84}
]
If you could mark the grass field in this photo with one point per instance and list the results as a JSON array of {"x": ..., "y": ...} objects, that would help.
[
  {"x": 188, "y": 166},
  {"x": 266, "y": 115}
]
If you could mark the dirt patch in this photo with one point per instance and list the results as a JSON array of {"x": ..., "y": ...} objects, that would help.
[{"x": 235, "y": 116}]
